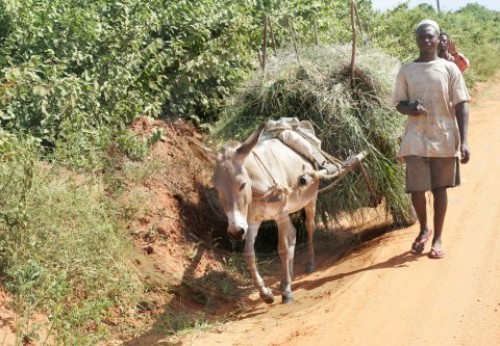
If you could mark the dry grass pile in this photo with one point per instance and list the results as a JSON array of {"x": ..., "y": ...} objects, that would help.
[{"x": 315, "y": 85}]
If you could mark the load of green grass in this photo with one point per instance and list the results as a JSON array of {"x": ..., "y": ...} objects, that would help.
[{"x": 350, "y": 115}]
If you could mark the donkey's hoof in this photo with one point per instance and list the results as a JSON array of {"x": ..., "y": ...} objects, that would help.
[
  {"x": 310, "y": 268},
  {"x": 267, "y": 297},
  {"x": 286, "y": 298}
]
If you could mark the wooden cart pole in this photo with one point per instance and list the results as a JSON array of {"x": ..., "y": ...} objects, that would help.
[{"x": 353, "y": 54}]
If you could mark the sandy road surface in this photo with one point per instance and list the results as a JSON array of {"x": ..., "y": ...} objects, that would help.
[{"x": 383, "y": 295}]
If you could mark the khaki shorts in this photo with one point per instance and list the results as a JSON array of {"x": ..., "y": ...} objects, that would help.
[{"x": 429, "y": 173}]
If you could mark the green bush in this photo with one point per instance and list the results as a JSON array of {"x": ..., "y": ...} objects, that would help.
[
  {"x": 69, "y": 66},
  {"x": 474, "y": 28}
]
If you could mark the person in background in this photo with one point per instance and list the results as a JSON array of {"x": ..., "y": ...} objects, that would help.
[
  {"x": 432, "y": 93},
  {"x": 448, "y": 50}
]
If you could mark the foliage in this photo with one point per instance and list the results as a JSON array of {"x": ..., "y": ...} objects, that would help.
[
  {"x": 17, "y": 157},
  {"x": 82, "y": 71},
  {"x": 61, "y": 253},
  {"x": 73, "y": 66},
  {"x": 208, "y": 50},
  {"x": 70, "y": 67},
  {"x": 309, "y": 21},
  {"x": 474, "y": 28}
]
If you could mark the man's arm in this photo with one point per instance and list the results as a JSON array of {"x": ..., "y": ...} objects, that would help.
[
  {"x": 459, "y": 59},
  {"x": 462, "y": 115}
]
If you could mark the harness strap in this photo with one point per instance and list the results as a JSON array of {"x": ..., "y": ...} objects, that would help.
[{"x": 276, "y": 186}]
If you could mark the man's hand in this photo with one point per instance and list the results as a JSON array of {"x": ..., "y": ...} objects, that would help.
[
  {"x": 417, "y": 108},
  {"x": 452, "y": 48},
  {"x": 411, "y": 108},
  {"x": 465, "y": 153},
  {"x": 462, "y": 116}
]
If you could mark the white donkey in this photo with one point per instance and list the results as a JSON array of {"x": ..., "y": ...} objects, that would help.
[{"x": 259, "y": 181}]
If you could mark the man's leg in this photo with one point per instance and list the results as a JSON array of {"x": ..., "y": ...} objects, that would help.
[
  {"x": 440, "y": 207},
  {"x": 419, "y": 204},
  {"x": 418, "y": 181},
  {"x": 445, "y": 173}
]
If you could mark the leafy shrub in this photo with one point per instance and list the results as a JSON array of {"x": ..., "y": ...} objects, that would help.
[{"x": 474, "y": 28}]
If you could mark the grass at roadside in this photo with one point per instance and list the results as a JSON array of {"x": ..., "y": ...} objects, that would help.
[
  {"x": 65, "y": 258},
  {"x": 63, "y": 253},
  {"x": 71, "y": 252}
]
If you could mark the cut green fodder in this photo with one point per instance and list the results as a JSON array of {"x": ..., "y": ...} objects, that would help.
[{"x": 348, "y": 118}]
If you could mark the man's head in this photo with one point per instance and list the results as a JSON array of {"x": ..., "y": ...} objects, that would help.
[
  {"x": 426, "y": 22},
  {"x": 443, "y": 41},
  {"x": 427, "y": 36}
]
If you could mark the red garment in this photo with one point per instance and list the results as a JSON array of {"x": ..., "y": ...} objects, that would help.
[{"x": 460, "y": 60}]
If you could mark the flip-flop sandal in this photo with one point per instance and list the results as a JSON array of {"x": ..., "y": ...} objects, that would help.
[
  {"x": 418, "y": 245},
  {"x": 436, "y": 254}
]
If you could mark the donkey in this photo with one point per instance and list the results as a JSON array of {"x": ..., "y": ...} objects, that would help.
[{"x": 259, "y": 181}]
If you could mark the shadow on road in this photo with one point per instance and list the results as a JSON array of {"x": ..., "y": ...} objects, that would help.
[{"x": 218, "y": 296}]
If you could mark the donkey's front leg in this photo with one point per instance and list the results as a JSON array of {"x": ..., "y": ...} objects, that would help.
[
  {"x": 286, "y": 249},
  {"x": 249, "y": 254}
]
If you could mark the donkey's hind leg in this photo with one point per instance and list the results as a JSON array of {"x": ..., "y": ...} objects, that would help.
[{"x": 310, "y": 211}]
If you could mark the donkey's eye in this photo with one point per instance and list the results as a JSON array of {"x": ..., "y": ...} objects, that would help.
[{"x": 242, "y": 186}]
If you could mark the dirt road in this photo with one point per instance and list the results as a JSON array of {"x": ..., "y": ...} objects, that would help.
[{"x": 382, "y": 294}]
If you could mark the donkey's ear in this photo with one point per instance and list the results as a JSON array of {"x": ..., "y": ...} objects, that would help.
[
  {"x": 202, "y": 152},
  {"x": 247, "y": 146}
]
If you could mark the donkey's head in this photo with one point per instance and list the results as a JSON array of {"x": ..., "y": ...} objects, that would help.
[{"x": 232, "y": 181}]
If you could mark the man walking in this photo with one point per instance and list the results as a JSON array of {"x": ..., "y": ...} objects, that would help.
[
  {"x": 448, "y": 50},
  {"x": 432, "y": 93}
]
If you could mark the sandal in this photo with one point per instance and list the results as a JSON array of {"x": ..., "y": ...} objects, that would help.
[
  {"x": 436, "y": 254},
  {"x": 418, "y": 245}
]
